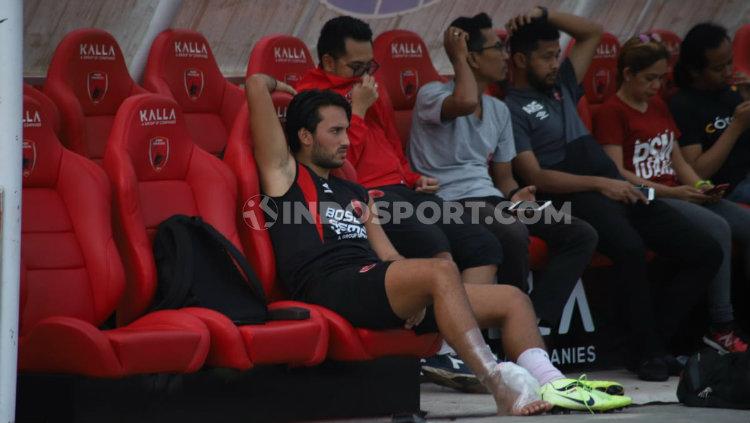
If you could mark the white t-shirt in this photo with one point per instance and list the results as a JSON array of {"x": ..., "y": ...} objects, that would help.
[{"x": 457, "y": 152}]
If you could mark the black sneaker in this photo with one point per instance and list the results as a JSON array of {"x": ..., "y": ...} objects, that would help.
[
  {"x": 653, "y": 370},
  {"x": 674, "y": 366},
  {"x": 449, "y": 370}
]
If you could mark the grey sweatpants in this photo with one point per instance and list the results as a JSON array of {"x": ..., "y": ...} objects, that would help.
[{"x": 725, "y": 221}]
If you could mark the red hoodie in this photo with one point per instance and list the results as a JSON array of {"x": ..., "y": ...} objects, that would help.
[{"x": 375, "y": 148}]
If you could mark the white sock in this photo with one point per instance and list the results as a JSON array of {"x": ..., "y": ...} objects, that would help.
[
  {"x": 446, "y": 349},
  {"x": 536, "y": 361}
]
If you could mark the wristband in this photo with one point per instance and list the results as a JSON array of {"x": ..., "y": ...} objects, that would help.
[
  {"x": 513, "y": 192},
  {"x": 702, "y": 183}
]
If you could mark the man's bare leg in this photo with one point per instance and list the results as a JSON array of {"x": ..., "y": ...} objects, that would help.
[
  {"x": 411, "y": 285},
  {"x": 483, "y": 275}
]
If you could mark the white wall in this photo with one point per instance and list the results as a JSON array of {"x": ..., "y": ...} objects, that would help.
[{"x": 233, "y": 26}]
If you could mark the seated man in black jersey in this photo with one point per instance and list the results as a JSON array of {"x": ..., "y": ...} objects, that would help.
[{"x": 338, "y": 256}]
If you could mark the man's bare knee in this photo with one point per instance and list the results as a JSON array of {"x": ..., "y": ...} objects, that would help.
[
  {"x": 515, "y": 298},
  {"x": 444, "y": 273}
]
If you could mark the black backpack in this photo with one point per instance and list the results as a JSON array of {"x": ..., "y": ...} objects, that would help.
[
  {"x": 714, "y": 380},
  {"x": 197, "y": 266}
]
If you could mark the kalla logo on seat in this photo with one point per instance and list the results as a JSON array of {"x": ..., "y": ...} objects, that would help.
[
  {"x": 29, "y": 157},
  {"x": 158, "y": 152},
  {"x": 194, "y": 83},
  {"x": 97, "y": 84},
  {"x": 409, "y": 82}
]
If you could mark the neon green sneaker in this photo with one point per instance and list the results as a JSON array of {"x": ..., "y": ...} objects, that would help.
[
  {"x": 606, "y": 386},
  {"x": 572, "y": 394}
]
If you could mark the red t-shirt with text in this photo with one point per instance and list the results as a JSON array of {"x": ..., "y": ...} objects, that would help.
[{"x": 647, "y": 138}]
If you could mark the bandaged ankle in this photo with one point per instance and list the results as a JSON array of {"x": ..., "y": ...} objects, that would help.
[
  {"x": 479, "y": 359},
  {"x": 537, "y": 362}
]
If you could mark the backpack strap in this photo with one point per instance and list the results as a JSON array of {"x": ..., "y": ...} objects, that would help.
[{"x": 252, "y": 279}]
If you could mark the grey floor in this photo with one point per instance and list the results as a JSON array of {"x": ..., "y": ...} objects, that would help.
[{"x": 653, "y": 402}]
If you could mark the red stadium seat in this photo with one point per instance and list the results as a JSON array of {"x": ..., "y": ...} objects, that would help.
[
  {"x": 672, "y": 42},
  {"x": 182, "y": 66},
  {"x": 157, "y": 171},
  {"x": 346, "y": 342},
  {"x": 405, "y": 66},
  {"x": 48, "y": 107},
  {"x": 600, "y": 80},
  {"x": 87, "y": 79},
  {"x": 72, "y": 276},
  {"x": 741, "y": 49},
  {"x": 284, "y": 57}
]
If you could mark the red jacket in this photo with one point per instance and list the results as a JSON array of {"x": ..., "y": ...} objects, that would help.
[{"x": 375, "y": 148}]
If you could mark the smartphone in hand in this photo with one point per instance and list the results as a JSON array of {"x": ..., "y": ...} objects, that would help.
[
  {"x": 647, "y": 192},
  {"x": 717, "y": 191},
  {"x": 532, "y": 206}
]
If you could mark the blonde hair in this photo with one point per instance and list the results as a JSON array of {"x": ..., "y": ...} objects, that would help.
[{"x": 638, "y": 53}]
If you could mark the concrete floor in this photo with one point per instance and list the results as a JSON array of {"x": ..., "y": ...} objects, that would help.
[{"x": 653, "y": 402}]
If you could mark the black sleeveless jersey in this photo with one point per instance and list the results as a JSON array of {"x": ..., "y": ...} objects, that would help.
[{"x": 318, "y": 229}]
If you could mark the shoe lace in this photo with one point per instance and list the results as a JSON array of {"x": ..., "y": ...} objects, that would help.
[{"x": 582, "y": 383}]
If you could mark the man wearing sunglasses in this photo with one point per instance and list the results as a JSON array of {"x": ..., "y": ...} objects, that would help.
[
  {"x": 346, "y": 66},
  {"x": 455, "y": 129}
]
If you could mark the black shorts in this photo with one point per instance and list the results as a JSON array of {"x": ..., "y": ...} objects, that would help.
[
  {"x": 471, "y": 245},
  {"x": 358, "y": 294}
]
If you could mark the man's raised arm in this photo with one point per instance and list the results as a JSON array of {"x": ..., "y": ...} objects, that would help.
[{"x": 275, "y": 162}]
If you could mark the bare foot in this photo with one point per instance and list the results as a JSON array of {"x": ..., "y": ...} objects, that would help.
[
  {"x": 516, "y": 392},
  {"x": 534, "y": 408}
]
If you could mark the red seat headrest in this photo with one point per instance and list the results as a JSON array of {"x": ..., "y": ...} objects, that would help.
[
  {"x": 741, "y": 49},
  {"x": 670, "y": 40},
  {"x": 284, "y": 57},
  {"x": 50, "y": 109},
  {"x": 600, "y": 80},
  {"x": 87, "y": 79},
  {"x": 182, "y": 59},
  {"x": 41, "y": 148},
  {"x": 89, "y": 62},
  {"x": 151, "y": 129},
  {"x": 405, "y": 66}
]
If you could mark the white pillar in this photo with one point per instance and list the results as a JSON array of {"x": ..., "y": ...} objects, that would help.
[
  {"x": 164, "y": 14},
  {"x": 11, "y": 135}
]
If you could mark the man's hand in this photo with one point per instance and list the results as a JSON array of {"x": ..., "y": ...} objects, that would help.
[
  {"x": 621, "y": 191},
  {"x": 688, "y": 193},
  {"x": 455, "y": 43},
  {"x": 273, "y": 84},
  {"x": 524, "y": 194},
  {"x": 524, "y": 19},
  {"x": 415, "y": 320},
  {"x": 364, "y": 95},
  {"x": 426, "y": 184},
  {"x": 741, "y": 116}
]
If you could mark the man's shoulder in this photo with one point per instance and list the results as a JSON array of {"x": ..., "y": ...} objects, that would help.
[{"x": 434, "y": 87}]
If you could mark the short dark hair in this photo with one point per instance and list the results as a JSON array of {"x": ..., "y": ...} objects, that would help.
[
  {"x": 474, "y": 26},
  {"x": 702, "y": 37},
  {"x": 526, "y": 38},
  {"x": 334, "y": 33},
  {"x": 304, "y": 112}
]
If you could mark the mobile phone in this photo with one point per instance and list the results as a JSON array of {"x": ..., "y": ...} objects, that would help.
[
  {"x": 717, "y": 190},
  {"x": 647, "y": 192},
  {"x": 523, "y": 206}
]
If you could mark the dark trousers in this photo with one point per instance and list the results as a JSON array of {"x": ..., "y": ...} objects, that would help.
[
  {"x": 626, "y": 232},
  {"x": 570, "y": 246}
]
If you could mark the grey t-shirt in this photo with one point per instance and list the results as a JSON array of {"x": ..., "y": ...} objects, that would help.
[
  {"x": 546, "y": 122},
  {"x": 457, "y": 151}
]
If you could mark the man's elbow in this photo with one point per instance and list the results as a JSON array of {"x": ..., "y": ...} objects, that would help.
[
  {"x": 597, "y": 30},
  {"x": 463, "y": 106}
]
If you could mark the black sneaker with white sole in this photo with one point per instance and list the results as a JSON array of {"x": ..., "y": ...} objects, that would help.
[{"x": 449, "y": 370}]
